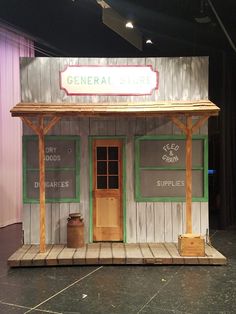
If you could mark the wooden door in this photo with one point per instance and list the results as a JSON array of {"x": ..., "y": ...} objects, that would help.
[{"x": 107, "y": 190}]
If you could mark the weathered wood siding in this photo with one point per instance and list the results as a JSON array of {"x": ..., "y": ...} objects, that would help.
[{"x": 179, "y": 79}]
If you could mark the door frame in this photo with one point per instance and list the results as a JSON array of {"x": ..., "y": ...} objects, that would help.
[{"x": 91, "y": 139}]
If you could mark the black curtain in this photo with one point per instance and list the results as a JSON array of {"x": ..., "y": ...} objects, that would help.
[{"x": 222, "y": 91}]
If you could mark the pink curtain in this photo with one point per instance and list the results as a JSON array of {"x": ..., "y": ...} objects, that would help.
[{"x": 12, "y": 47}]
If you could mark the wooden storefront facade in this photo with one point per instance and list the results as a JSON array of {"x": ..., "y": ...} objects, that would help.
[{"x": 118, "y": 132}]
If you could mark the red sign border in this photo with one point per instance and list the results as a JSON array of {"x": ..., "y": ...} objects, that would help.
[{"x": 106, "y": 66}]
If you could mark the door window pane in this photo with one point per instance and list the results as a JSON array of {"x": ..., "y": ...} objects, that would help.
[
  {"x": 101, "y": 182},
  {"x": 113, "y": 167},
  {"x": 113, "y": 153},
  {"x": 113, "y": 182},
  {"x": 101, "y": 167},
  {"x": 101, "y": 153}
]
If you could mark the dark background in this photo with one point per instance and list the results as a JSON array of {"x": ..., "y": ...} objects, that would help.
[{"x": 74, "y": 28}]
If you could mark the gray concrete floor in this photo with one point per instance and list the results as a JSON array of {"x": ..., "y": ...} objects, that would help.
[{"x": 118, "y": 289}]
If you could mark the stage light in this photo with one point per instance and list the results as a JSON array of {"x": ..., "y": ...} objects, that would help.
[{"x": 129, "y": 24}]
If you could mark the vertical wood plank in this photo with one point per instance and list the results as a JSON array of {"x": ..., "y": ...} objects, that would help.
[
  {"x": 121, "y": 126},
  {"x": 75, "y": 126},
  {"x": 152, "y": 62},
  {"x": 34, "y": 80},
  {"x": 45, "y": 79},
  {"x": 195, "y": 86},
  {"x": 204, "y": 219},
  {"x": 164, "y": 126},
  {"x": 27, "y": 223},
  {"x": 65, "y": 126},
  {"x": 48, "y": 224},
  {"x": 63, "y": 63},
  {"x": 186, "y": 78},
  {"x": 84, "y": 176},
  {"x": 159, "y": 212},
  {"x": 161, "y": 68},
  {"x": 111, "y": 126},
  {"x": 196, "y": 217},
  {"x": 150, "y": 218},
  {"x": 25, "y": 91},
  {"x": 34, "y": 231},
  {"x": 203, "y": 75},
  {"x": 131, "y": 214},
  {"x": 151, "y": 126},
  {"x": 177, "y": 80},
  {"x": 168, "y": 222},
  {"x": 140, "y": 126},
  {"x": 55, "y": 223},
  {"x": 141, "y": 223},
  {"x": 56, "y": 93},
  {"x": 64, "y": 213},
  {"x": 177, "y": 221},
  {"x": 169, "y": 78}
]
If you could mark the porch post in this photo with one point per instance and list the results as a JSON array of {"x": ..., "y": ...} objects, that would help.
[
  {"x": 42, "y": 184},
  {"x": 189, "y": 175}
]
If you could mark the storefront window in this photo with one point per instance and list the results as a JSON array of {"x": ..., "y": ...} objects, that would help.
[
  {"x": 160, "y": 168},
  {"x": 61, "y": 169}
]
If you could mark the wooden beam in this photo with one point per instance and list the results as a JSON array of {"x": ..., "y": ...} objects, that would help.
[
  {"x": 51, "y": 123},
  {"x": 200, "y": 123},
  {"x": 31, "y": 125},
  {"x": 42, "y": 184},
  {"x": 179, "y": 124},
  {"x": 189, "y": 176}
]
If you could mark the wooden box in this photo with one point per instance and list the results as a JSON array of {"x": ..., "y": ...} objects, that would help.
[{"x": 191, "y": 245}]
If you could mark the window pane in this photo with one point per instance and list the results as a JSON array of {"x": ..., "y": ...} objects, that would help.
[
  {"x": 113, "y": 153},
  {"x": 101, "y": 182},
  {"x": 101, "y": 167},
  {"x": 113, "y": 182},
  {"x": 101, "y": 153},
  {"x": 113, "y": 167}
]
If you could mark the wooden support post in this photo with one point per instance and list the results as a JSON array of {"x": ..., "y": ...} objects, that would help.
[
  {"x": 40, "y": 129},
  {"x": 189, "y": 175},
  {"x": 42, "y": 184}
]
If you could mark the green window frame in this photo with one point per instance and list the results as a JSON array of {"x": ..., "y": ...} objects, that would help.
[
  {"x": 76, "y": 169},
  {"x": 169, "y": 167}
]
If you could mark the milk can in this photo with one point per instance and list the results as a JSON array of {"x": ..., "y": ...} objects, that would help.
[{"x": 75, "y": 231}]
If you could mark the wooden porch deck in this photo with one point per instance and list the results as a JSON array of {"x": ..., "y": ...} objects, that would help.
[{"x": 111, "y": 253}]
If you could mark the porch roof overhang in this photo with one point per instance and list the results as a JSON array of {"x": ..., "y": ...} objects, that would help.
[{"x": 127, "y": 109}]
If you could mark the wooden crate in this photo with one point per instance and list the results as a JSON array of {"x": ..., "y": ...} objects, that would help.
[{"x": 191, "y": 245}]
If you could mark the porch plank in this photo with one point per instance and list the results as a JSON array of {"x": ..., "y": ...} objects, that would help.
[
  {"x": 160, "y": 253},
  {"x": 65, "y": 257},
  {"x": 118, "y": 253},
  {"x": 51, "y": 259},
  {"x": 147, "y": 253},
  {"x": 14, "y": 259},
  {"x": 173, "y": 251},
  {"x": 111, "y": 253},
  {"x": 79, "y": 257},
  {"x": 215, "y": 257},
  {"x": 133, "y": 254},
  {"x": 28, "y": 257},
  {"x": 105, "y": 256},
  {"x": 92, "y": 254},
  {"x": 40, "y": 258}
]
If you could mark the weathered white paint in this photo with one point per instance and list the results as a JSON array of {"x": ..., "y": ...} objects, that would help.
[{"x": 145, "y": 222}]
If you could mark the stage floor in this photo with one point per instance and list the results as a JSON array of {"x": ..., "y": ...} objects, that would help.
[{"x": 111, "y": 253}]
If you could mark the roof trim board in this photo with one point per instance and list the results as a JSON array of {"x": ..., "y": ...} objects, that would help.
[{"x": 137, "y": 109}]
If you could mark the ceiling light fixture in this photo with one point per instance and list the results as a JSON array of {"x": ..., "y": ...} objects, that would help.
[
  {"x": 149, "y": 42},
  {"x": 129, "y": 24}
]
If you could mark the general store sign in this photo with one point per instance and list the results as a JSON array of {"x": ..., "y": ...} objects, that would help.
[{"x": 109, "y": 80}]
